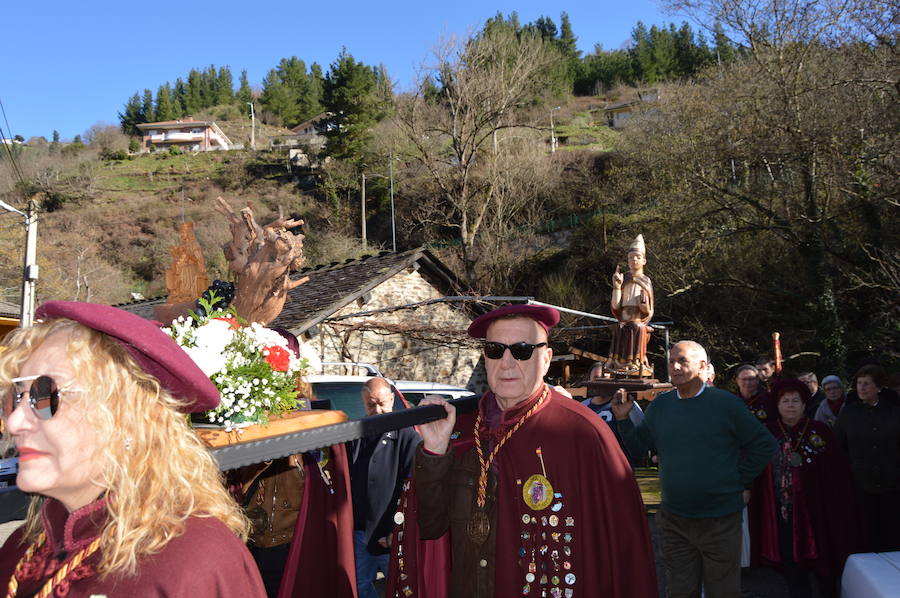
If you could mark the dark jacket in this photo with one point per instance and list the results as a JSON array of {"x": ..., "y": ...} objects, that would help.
[
  {"x": 871, "y": 437},
  {"x": 378, "y": 467}
]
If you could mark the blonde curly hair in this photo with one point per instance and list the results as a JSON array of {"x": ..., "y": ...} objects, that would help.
[{"x": 155, "y": 471}]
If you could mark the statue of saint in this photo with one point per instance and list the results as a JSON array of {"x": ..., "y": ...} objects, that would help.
[
  {"x": 186, "y": 279},
  {"x": 632, "y": 305}
]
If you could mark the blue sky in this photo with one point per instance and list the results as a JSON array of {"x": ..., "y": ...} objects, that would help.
[{"x": 68, "y": 65}]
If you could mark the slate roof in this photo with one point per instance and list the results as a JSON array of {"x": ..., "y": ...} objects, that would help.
[
  {"x": 335, "y": 285},
  {"x": 9, "y": 310}
]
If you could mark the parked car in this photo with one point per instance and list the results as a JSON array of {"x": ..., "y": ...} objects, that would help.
[
  {"x": 9, "y": 467},
  {"x": 414, "y": 390}
]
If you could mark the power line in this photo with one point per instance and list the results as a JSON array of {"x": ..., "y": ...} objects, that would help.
[{"x": 12, "y": 158}]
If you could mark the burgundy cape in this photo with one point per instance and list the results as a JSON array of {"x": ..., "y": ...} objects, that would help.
[
  {"x": 827, "y": 521},
  {"x": 206, "y": 561},
  {"x": 320, "y": 561},
  {"x": 600, "y": 504},
  {"x": 418, "y": 568}
]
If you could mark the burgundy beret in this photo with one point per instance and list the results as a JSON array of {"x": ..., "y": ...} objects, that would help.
[
  {"x": 157, "y": 354},
  {"x": 784, "y": 385},
  {"x": 546, "y": 317}
]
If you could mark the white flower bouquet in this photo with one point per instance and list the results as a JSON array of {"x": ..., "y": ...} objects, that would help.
[{"x": 251, "y": 365}]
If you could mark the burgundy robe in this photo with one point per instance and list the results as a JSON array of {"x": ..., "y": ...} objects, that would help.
[
  {"x": 207, "y": 560},
  {"x": 827, "y": 522},
  {"x": 320, "y": 561},
  {"x": 762, "y": 405},
  {"x": 417, "y": 567},
  {"x": 591, "y": 539}
]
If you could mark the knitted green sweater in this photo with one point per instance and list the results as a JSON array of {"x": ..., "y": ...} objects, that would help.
[{"x": 710, "y": 448}]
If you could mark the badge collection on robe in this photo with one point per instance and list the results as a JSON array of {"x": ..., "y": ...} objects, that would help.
[
  {"x": 546, "y": 538},
  {"x": 405, "y": 590}
]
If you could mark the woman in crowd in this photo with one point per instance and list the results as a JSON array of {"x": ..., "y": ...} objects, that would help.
[
  {"x": 791, "y": 525},
  {"x": 869, "y": 430},
  {"x": 753, "y": 392},
  {"x": 830, "y": 408},
  {"x": 126, "y": 500}
]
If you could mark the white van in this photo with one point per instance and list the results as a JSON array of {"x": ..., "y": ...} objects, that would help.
[{"x": 414, "y": 391}]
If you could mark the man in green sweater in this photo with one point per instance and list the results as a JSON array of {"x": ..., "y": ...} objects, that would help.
[{"x": 710, "y": 449}]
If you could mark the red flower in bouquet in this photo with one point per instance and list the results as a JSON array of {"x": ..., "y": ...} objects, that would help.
[
  {"x": 277, "y": 357},
  {"x": 233, "y": 323}
]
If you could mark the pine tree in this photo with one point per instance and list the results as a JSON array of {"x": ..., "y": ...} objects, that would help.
[
  {"x": 244, "y": 94},
  {"x": 164, "y": 110},
  {"x": 131, "y": 117},
  {"x": 314, "y": 99},
  {"x": 193, "y": 92},
  {"x": 54, "y": 146},
  {"x": 148, "y": 114},
  {"x": 642, "y": 54},
  {"x": 275, "y": 96},
  {"x": 225, "y": 86},
  {"x": 350, "y": 95},
  {"x": 179, "y": 99},
  {"x": 723, "y": 50},
  {"x": 568, "y": 43}
]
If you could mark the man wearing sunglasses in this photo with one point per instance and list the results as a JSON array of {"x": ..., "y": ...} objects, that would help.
[{"x": 536, "y": 494}]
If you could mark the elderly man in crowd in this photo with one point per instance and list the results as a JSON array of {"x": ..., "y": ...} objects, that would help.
[
  {"x": 378, "y": 466},
  {"x": 537, "y": 496},
  {"x": 817, "y": 395},
  {"x": 710, "y": 450}
]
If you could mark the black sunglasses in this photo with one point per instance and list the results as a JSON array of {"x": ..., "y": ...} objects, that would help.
[
  {"x": 520, "y": 351},
  {"x": 43, "y": 396}
]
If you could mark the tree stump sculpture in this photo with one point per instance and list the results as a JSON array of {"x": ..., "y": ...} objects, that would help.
[{"x": 261, "y": 259}]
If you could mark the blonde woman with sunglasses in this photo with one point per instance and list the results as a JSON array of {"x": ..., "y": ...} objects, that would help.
[{"x": 125, "y": 499}]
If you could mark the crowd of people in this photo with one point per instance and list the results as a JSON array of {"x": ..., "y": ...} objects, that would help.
[{"x": 533, "y": 494}]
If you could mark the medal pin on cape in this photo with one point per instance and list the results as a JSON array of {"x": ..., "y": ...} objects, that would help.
[{"x": 537, "y": 491}]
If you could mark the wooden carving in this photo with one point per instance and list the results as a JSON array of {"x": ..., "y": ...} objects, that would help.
[
  {"x": 186, "y": 279},
  {"x": 632, "y": 305},
  {"x": 261, "y": 259}
]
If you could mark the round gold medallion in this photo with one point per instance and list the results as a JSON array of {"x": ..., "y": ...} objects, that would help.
[{"x": 537, "y": 492}]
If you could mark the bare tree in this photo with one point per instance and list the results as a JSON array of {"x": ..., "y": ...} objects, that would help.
[
  {"x": 467, "y": 126},
  {"x": 785, "y": 161}
]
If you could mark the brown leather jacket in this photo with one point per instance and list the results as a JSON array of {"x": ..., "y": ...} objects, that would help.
[{"x": 274, "y": 502}]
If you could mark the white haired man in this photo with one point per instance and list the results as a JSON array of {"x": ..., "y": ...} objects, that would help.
[{"x": 703, "y": 476}]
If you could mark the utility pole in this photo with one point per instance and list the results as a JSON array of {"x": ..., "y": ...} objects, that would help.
[
  {"x": 362, "y": 217},
  {"x": 30, "y": 270},
  {"x": 252, "y": 126},
  {"x": 393, "y": 222},
  {"x": 552, "y": 133}
]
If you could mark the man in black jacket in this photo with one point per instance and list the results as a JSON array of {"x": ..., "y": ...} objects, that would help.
[{"x": 378, "y": 467}]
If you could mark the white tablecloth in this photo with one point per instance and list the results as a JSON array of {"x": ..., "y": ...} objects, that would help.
[{"x": 871, "y": 575}]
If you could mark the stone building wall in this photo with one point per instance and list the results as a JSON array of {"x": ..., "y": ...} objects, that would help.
[{"x": 427, "y": 343}]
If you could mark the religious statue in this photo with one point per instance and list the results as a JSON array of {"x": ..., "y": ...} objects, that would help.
[
  {"x": 632, "y": 305},
  {"x": 186, "y": 278}
]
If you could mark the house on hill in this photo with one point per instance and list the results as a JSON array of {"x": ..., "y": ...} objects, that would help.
[
  {"x": 188, "y": 135},
  {"x": 619, "y": 112},
  {"x": 393, "y": 310}
]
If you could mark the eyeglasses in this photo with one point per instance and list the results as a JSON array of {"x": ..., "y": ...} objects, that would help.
[
  {"x": 43, "y": 396},
  {"x": 520, "y": 351}
]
